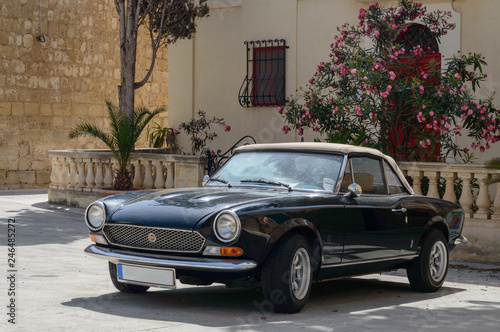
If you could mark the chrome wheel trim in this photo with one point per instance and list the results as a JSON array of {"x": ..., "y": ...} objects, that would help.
[
  {"x": 438, "y": 261},
  {"x": 300, "y": 274}
]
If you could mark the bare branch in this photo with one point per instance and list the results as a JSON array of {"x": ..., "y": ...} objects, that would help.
[
  {"x": 137, "y": 13},
  {"x": 144, "y": 14},
  {"x": 155, "y": 44}
]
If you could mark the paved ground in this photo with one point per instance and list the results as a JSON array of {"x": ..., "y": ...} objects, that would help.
[{"x": 58, "y": 288}]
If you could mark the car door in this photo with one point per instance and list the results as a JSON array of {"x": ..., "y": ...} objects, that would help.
[{"x": 375, "y": 222}]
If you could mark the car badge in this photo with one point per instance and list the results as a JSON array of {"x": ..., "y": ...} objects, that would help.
[{"x": 151, "y": 237}]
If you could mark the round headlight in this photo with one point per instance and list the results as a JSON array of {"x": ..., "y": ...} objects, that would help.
[
  {"x": 95, "y": 216},
  {"x": 227, "y": 226}
]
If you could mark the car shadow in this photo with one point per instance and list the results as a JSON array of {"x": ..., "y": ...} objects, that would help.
[{"x": 218, "y": 306}]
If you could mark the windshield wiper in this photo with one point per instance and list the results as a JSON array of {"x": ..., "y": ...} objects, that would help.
[
  {"x": 267, "y": 181},
  {"x": 221, "y": 180}
]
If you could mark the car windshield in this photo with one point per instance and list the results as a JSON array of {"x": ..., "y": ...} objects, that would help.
[{"x": 286, "y": 169}]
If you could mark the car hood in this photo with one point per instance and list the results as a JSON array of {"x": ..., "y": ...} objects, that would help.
[{"x": 184, "y": 208}]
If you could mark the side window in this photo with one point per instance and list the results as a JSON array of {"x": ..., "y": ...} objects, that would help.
[
  {"x": 395, "y": 185},
  {"x": 369, "y": 175}
]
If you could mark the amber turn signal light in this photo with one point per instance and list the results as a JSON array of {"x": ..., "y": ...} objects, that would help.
[{"x": 231, "y": 251}]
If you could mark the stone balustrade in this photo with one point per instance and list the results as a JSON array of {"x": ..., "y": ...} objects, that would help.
[
  {"x": 78, "y": 176},
  {"x": 480, "y": 201},
  {"x": 476, "y": 195}
]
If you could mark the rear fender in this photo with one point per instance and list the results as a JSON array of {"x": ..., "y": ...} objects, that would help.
[{"x": 439, "y": 223}]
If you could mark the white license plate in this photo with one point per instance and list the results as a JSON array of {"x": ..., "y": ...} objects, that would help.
[{"x": 151, "y": 276}]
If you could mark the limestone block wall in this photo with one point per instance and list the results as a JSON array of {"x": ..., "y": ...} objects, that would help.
[{"x": 46, "y": 88}]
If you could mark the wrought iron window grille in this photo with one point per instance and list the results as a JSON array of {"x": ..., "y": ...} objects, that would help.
[{"x": 264, "y": 84}]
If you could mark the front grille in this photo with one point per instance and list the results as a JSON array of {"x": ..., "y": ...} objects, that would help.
[{"x": 154, "y": 238}]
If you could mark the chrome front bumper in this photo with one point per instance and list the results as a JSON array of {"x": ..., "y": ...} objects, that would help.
[{"x": 181, "y": 263}]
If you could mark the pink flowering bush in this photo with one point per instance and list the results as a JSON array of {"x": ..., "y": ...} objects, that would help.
[{"x": 399, "y": 98}]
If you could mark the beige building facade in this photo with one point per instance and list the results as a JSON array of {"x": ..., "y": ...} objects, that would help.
[
  {"x": 207, "y": 73},
  {"x": 47, "y": 87}
]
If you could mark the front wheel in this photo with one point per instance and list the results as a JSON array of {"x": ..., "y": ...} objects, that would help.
[
  {"x": 428, "y": 271},
  {"x": 124, "y": 287},
  {"x": 287, "y": 275}
]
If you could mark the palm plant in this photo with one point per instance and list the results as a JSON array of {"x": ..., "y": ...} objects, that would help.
[{"x": 121, "y": 141}]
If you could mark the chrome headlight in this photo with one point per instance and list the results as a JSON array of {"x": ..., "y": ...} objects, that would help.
[
  {"x": 95, "y": 215},
  {"x": 227, "y": 226}
]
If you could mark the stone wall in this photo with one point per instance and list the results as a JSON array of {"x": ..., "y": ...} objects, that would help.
[{"x": 46, "y": 88}]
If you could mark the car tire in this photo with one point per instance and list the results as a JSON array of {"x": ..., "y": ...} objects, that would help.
[
  {"x": 428, "y": 271},
  {"x": 124, "y": 287},
  {"x": 287, "y": 275}
]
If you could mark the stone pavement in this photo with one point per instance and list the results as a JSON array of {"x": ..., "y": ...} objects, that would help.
[{"x": 58, "y": 288}]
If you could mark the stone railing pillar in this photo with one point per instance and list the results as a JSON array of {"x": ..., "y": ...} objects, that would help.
[
  {"x": 64, "y": 174},
  {"x": 159, "y": 182},
  {"x": 496, "y": 204},
  {"x": 449, "y": 193},
  {"x": 53, "y": 174},
  {"x": 90, "y": 179},
  {"x": 148, "y": 175},
  {"x": 483, "y": 198},
  {"x": 466, "y": 198},
  {"x": 416, "y": 177},
  {"x": 81, "y": 175},
  {"x": 99, "y": 176},
  {"x": 433, "y": 183},
  {"x": 72, "y": 174},
  {"x": 138, "y": 180},
  {"x": 108, "y": 174},
  {"x": 169, "y": 183}
]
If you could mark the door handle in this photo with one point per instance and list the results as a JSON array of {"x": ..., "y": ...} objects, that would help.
[{"x": 400, "y": 210}]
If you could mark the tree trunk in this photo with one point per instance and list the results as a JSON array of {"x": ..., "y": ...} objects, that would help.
[{"x": 128, "y": 45}]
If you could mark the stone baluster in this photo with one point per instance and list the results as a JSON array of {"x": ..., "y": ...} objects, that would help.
[
  {"x": 433, "y": 183},
  {"x": 483, "y": 198},
  {"x": 159, "y": 178},
  {"x": 449, "y": 194},
  {"x": 64, "y": 174},
  {"x": 108, "y": 174},
  {"x": 416, "y": 177},
  {"x": 169, "y": 183},
  {"x": 496, "y": 205},
  {"x": 466, "y": 198},
  {"x": 90, "y": 179},
  {"x": 148, "y": 175},
  {"x": 72, "y": 174},
  {"x": 138, "y": 180},
  {"x": 59, "y": 166},
  {"x": 81, "y": 174},
  {"x": 99, "y": 177},
  {"x": 53, "y": 174}
]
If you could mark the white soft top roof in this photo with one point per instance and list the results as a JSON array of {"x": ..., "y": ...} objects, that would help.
[{"x": 327, "y": 147}]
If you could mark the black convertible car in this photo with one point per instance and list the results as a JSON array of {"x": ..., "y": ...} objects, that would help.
[{"x": 278, "y": 216}]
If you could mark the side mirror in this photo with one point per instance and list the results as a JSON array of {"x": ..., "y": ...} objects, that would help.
[
  {"x": 206, "y": 178},
  {"x": 354, "y": 190}
]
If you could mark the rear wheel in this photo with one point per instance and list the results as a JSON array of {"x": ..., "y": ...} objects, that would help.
[
  {"x": 124, "y": 287},
  {"x": 287, "y": 275},
  {"x": 428, "y": 271}
]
